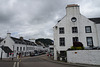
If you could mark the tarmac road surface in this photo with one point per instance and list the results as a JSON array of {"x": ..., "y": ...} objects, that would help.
[
  {"x": 38, "y": 61},
  {"x": 6, "y": 64}
]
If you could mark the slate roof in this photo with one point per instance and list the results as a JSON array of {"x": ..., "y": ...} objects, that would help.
[
  {"x": 6, "y": 49},
  {"x": 22, "y": 41},
  {"x": 96, "y": 20}
]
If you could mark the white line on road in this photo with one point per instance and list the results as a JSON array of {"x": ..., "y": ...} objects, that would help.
[
  {"x": 17, "y": 64},
  {"x": 14, "y": 64}
]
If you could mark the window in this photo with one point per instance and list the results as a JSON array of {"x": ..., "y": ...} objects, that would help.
[
  {"x": 19, "y": 42},
  {"x": 23, "y": 48},
  {"x": 88, "y": 29},
  {"x": 62, "y": 41},
  {"x": 75, "y": 39},
  {"x": 74, "y": 30},
  {"x": 61, "y": 30},
  {"x": 73, "y": 19},
  {"x": 20, "y": 48},
  {"x": 89, "y": 41},
  {"x": 62, "y": 53},
  {"x": 17, "y": 48}
]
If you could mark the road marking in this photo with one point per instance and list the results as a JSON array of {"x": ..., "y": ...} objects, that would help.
[
  {"x": 14, "y": 64},
  {"x": 17, "y": 64}
]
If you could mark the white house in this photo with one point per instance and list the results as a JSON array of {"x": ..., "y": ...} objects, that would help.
[
  {"x": 16, "y": 45},
  {"x": 75, "y": 27},
  {"x": 51, "y": 48}
]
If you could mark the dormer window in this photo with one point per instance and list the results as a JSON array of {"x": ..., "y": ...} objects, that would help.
[{"x": 73, "y": 19}]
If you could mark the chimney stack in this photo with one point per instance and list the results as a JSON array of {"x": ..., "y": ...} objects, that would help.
[
  {"x": 72, "y": 9},
  {"x": 21, "y": 38},
  {"x": 8, "y": 34}
]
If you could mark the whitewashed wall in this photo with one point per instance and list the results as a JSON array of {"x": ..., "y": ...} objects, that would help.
[
  {"x": 4, "y": 55},
  {"x": 8, "y": 42},
  {"x": 98, "y": 33},
  {"x": 13, "y": 46},
  {"x": 68, "y": 24},
  {"x": 84, "y": 56}
]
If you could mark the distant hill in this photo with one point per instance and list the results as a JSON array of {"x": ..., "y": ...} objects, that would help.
[{"x": 46, "y": 42}]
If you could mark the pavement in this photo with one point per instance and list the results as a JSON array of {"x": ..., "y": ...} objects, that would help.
[{"x": 50, "y": 59}]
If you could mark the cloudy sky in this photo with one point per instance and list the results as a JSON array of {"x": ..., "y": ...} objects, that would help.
[{"x": 36, "y": 18}]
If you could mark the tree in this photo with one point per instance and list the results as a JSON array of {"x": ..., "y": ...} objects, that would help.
[{"x": 46, "y": 42}]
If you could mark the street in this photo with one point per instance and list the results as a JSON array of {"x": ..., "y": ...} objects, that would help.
[
  {"x": 6, "y": 64},
  {"x": 39, "y": 61},
  {"x": 43, "y": 61}
]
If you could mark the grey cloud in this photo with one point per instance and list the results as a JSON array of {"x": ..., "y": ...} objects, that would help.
[{"x": 36, "y": 18}]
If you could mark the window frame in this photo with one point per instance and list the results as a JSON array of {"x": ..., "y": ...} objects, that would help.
[
  {"x": 73, "y": 19},
  {"x": 88, "y": 42},
  {"x": 61, "y": 30},
  {"x": 75, "y": 39},
  {"x": 74, "y": 30},
  {"x": 62, "y": 53},
  {"x": 86, "y": 29},
  {"x": 23, "y": 48},
  {"x": 17, "y": 48},
  {"x": 20, "y": 48},
  {"x": 62, "y": 41}
]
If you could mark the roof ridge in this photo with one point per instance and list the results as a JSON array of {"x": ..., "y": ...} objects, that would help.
[{"x": 22, "y": 41}]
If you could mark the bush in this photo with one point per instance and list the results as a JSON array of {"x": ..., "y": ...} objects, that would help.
[
  {"x": 79, "y": 48},
  {"x": 72, "y": 48},
  {"x": 76, "y": 48},
  {"x": 77, "y": 44}
]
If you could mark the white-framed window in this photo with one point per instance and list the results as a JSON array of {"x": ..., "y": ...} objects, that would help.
[
  {"x": 62, "y": 41},
  {"x": 23, "y": 48},
  {"x": 75, "y": 39},
  {"x": 61, "y": 30},
  {"x": 89, "y": 41},
  {"x": 88, "y": 29},
  {"x": 17, "y": 48},
  {"x": 73, "y": 19},
  {"x": 20, "y": 48},
  {"x": 74, "y": 30}
]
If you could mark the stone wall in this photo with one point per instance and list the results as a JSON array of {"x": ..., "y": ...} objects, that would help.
[{"x": 84, "y": 56}]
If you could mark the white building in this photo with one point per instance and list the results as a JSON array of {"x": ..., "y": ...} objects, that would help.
[
  {"x": 16, "y": 45},
  {"x": 75, "y": 27}
]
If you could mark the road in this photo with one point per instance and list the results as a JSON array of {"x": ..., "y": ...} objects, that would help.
[
  {"x": 37, "y": 61},
  {"x": 6, "y": 64}
]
